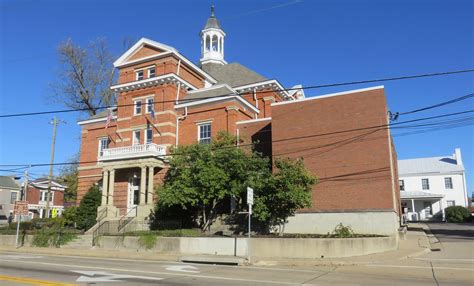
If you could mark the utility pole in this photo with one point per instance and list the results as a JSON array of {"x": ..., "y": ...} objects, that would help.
[
  {"x": 55, "y": 123},
  {"x": 25, "y": 186}
]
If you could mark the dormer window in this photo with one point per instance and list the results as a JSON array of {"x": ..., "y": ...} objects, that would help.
[
  {"x": 138, "y": 107},
  {"x": 139, "y": 75},
  {"x": 151, "y": 72}
]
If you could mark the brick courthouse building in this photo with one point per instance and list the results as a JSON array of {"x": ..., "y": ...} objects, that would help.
[{"x": 165, "y": 100}]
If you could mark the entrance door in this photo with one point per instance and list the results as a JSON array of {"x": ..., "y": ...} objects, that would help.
[{"x": 133, "y": 194}]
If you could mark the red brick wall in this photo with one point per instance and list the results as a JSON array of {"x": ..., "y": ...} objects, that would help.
[
  {"x": 34, "y": 196},
  {"x": 257, "y": 131},
  {"x": 353, "y": 166}
]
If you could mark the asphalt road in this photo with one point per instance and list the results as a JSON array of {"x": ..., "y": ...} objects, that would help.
[
  {"x": 26, "y": 269},
  {"x": 453, "y": 265}
]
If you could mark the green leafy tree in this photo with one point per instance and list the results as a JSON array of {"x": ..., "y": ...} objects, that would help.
[
  {"x": 204, "y": 176},
  {"x": 68, "y": 177},
  {"x": 87, "y": 210},
  {"x": 286, "y": 191}
]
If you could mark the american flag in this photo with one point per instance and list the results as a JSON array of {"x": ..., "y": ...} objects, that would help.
[{"x": 109, "y": 119}]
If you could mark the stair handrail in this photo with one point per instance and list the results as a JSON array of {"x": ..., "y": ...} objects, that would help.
[
  {"x": 99, "y": 231},
  {"x": 126, "y": 218}
]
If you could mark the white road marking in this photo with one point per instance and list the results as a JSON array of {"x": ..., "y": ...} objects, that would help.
[
  {"x": 156, "y": 272},
  {"x": 446, "y": 259},
  {"x": 19, "y": 256},
  {"x": 101, "y": 276},
  {"x": 182, "y": 268},
  {"x": 420, "y": 267}
]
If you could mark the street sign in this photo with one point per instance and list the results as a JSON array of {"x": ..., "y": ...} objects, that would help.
[
  {"x": 21, "y": 208},
  {"x": 249, "y": 196}
]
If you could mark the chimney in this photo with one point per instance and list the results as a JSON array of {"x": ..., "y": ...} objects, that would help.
[{"x": 457, "y": 156}]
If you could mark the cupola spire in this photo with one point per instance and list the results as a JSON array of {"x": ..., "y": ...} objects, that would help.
[{"x": 212, "y": 41}]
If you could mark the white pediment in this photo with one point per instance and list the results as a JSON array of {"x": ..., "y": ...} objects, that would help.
[{"x": 129, "y": 54}]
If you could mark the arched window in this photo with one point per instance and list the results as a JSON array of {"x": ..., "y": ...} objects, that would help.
[
  {"x": 214, "y": 43},
  {"x": 208, "y": 43}
]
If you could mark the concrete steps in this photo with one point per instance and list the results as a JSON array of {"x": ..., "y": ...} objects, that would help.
[{"x": 81, "y": 242}]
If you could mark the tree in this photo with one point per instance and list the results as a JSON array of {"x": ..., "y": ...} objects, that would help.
[
  {"x": 85, "y": 76},
  {"x": 68, "y": 177},
  {"x": 204, "y": 176},
  {"x": 457, "y": 214},
  {"x": 87, "y": 210},
  {"x": 287, "y": 190}
]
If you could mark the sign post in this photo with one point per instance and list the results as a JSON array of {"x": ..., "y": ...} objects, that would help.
[
  {"x": 250, "y": 203},
  {"x": 21, "y": 208}
]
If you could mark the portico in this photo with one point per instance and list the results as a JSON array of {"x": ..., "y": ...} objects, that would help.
[
  {"x": 128, "y": 187},
  {"x": 419, "y": 206}
]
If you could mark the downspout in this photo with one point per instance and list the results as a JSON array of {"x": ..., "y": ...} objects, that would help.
[{"x": 177, "y": 124}]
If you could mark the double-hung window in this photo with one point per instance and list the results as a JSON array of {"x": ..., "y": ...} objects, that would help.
[
  {"x": 148, "y": 135},
  {"x": 450, "y": 203},
  {"x": 204, "y": 133},
  {"x": 44, "y": 195},
  {"x": 448, "y": 183},
  {"x": 103, "y": 144},
  {"x": 139, "y": 75},
  {"x": 151, "y": 72},
  {"x": 402, "y": 185},
  {"x": 425, "y": 184},
  {"x": 136, "y": 137},
  {"x": 149, "y": 105},
  {"x": 13, "y": 197},
  {"x": 138, "y": 107}
]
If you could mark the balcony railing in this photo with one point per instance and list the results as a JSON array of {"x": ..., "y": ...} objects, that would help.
[{"x": 134, "y": 151}]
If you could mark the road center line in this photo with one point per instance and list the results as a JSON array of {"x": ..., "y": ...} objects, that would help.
[
  {"x": 154, "y": 272},
  {"x": 32, "y": 281}
]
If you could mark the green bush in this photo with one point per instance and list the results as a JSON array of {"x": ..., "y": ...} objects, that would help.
[
  {"x": 70, "y": 216},
  {"x": 87, "y": 210},
  {"x": 52, "y": 237},
  {"x": 343, "y": 231},
  {"x": 457, "y": 214}
]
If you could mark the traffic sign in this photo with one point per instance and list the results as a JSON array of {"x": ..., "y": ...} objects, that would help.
[
  {"x": 21, "y": 208},
  {"x": 249, "y": 196}
]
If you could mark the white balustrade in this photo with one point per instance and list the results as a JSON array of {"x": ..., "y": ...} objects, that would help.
[{"x": 133, "y": 151}]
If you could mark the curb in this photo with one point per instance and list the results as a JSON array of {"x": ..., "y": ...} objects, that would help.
[{"x": 431, "y": 238}]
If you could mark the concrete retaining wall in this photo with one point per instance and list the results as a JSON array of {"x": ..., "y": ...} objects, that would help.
[
  {"x": 360, "y": 222},
  {"x": 260, "y": 247}
]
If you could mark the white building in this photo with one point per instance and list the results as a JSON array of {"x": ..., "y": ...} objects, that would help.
[{"x": 429, "y": 185}]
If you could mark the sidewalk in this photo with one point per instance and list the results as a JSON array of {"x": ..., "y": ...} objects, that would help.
[{"x": 416, "y": 243}]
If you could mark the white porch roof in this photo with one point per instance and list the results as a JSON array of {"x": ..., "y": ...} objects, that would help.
[{"x": 419, "y": 195}]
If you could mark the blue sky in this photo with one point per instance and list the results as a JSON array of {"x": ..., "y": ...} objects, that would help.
[{"x": 296, "y": 42}]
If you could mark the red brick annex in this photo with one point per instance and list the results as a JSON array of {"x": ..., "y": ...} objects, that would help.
[{"x": 165, "y": 100}]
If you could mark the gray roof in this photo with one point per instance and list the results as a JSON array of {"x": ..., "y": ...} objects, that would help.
[
  {"x": 434, "y": 165},
  {"x": 207, "y": 93},
  {"x": 234, "y": 74},
  {"x": 212, "y": 21},
  {"x": 8, "y": 183},
  {"x": 418, "y": 195}
]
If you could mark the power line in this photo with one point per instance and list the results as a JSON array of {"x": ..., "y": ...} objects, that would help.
[
  {"x": 250, "y": 92},
  {"x": 383, "y": 126}
]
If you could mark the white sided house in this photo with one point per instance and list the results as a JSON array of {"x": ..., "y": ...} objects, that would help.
[{"x": 429, "y": 185}]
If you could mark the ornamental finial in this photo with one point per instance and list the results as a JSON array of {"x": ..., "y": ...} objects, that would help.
[{"x": 212, "y": 11}]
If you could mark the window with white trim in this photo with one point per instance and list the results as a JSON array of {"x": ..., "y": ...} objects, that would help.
[
  {"x": 148, "y": 135},
  {"x": 450, "y": 203},
  {"x": 138, "y": 107},
  {"x": 402, "y": 185},
  {"x": 44, "y": 195},
  {"x": 13, "y": 197},
  {"x": 204, "y": 133},
  {"x": 151, "y": 72},
  {"x": 139, "y": 75},
  {"x": 448, "y": 183},
  {"x": 103, "y": 144},
  {"x": 425, "y": 184},
  {"x": 136, "y": 137},
  {"x": 149, "y": 105}
]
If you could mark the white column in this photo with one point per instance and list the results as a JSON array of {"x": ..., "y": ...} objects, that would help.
[
  {"x": 111, "y": 187},
  {"x": 142, "y": 185},
  {"x": 150, "y": 185},
  {"x": 105, "y": 186},
  {"x": 413, "y": 208}
]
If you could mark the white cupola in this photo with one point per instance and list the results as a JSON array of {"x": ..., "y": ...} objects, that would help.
[{"x": 212, "y": 41}]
